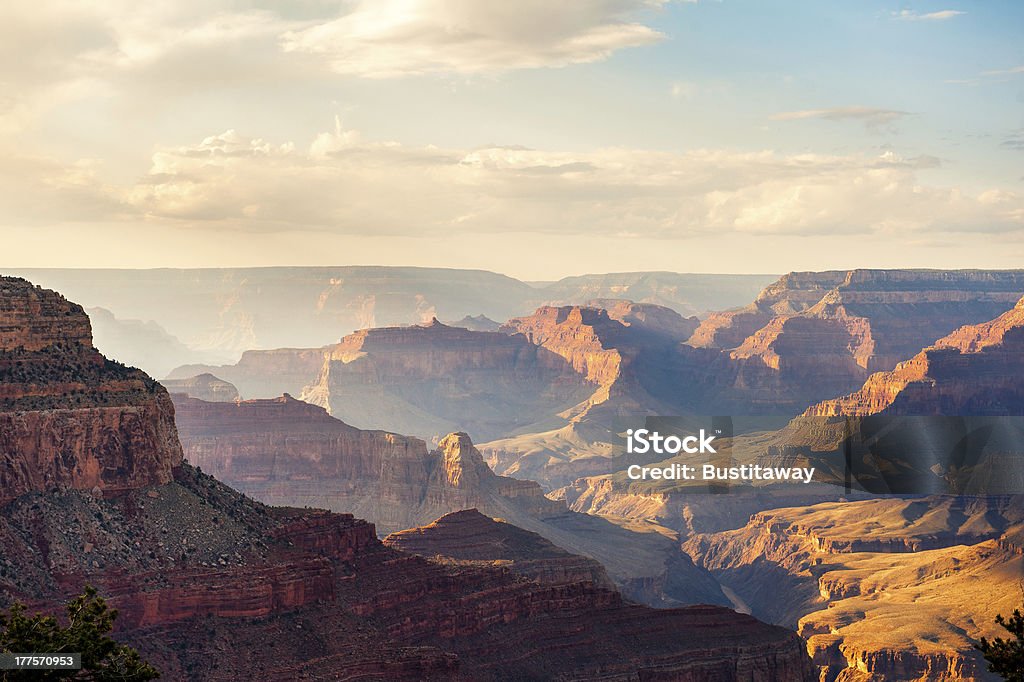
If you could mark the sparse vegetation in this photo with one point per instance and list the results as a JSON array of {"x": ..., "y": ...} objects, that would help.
[
  {"x": 1005, "y": 657},
  {"x": 89, "y": 622}
]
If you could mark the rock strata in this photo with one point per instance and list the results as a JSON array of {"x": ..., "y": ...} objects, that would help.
[
  {"x": 69, "y": 417},
  {"x": 210, "y": 583}
]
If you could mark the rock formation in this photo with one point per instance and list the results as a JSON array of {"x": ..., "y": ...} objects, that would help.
[
  {"x": 70, "y": 418},
  {"x": 207, "y": 580},
  {"x": 812, "y": 335},
  {"x": 203, "y": 386},
  {"x": 623, "y": 360},
  {"x": 888, "y": 588},
  {"x": 287, "y": 452},
  {"x": 469, "y": 536},
  {"x": 476, "y": 323},
  {"x": 974, "y": 370},
  {"x": 426, "y": 380},
  {"x": 653, "y": 319}
]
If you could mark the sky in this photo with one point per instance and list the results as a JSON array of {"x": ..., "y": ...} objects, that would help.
[{"x": 532, "y": 138}]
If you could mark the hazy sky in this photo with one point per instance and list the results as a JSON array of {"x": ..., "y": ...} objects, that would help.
[{"x": 534, "y": 138}]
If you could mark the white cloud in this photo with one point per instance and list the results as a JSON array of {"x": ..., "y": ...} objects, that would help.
[
  {"x": 342, "y": 184},
  {"x": 1012, "y": 71},
  {"x": 941, "y": 15},
  {"x": 387, "y": 38},
  {"x": 53, "y": 52},
  {"x": 869, "y": 116}
]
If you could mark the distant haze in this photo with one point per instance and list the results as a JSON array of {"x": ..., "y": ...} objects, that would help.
[{"x": 159, "y": 319}]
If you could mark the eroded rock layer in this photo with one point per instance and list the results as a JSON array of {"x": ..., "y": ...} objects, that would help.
[
  {"x": 827, "y": 331},
  {"x": 69, "y": 417},
  {"x": 470, "y": 536},
  {"x": 972, "y": 371},
  {"x": 891, "y": 589},
  {"x": 288, "y": 452}
]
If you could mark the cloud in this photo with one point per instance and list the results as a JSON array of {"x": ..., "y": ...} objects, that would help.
[
  {"x": 871, "y": 117},
  {"x": 55, "y": 52},
  {"x": 343, "y": 184},
  {"x": 1012, "y": 71},
  {"x": 389, "y": 38},
  {"x": 941, "y": 15},
  {"x": 993, "y": 76},
  {"x": 1014, "y": 141}
]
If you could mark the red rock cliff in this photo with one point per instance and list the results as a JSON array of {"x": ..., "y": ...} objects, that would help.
[{"x": 68, "y": 416}]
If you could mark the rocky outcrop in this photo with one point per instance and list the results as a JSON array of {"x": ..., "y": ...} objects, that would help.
[
  {"x": 896, "y": 589},
  {"x": 70, "y": 418},
  {"x": 203, "y": 386},
  {"x": 972, "y": 371},
  {"x": 469, "y": 536},
  {"x": 34, "y": 319}
]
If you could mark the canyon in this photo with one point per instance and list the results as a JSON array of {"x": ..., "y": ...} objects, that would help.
[
  {"x": 286, "y": 452},
  {"x": 892, "y": 587},
  {"x": 210, "y": 583},
  {"x": 881, "y": 589}
]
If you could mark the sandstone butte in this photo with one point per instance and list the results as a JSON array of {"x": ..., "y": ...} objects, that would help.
[
  {"x": 203, "y": 386},
  {"x": 211, "y": 584},
  {"x": 286, "y": 452},
  {"x": 470, "y": 537}
]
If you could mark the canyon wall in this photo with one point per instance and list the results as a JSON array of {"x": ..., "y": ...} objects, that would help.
[{"x": 69, "y": 417}]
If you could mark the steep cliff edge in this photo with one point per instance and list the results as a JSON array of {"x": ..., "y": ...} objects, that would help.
[{"x": 70, "y": 418}]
